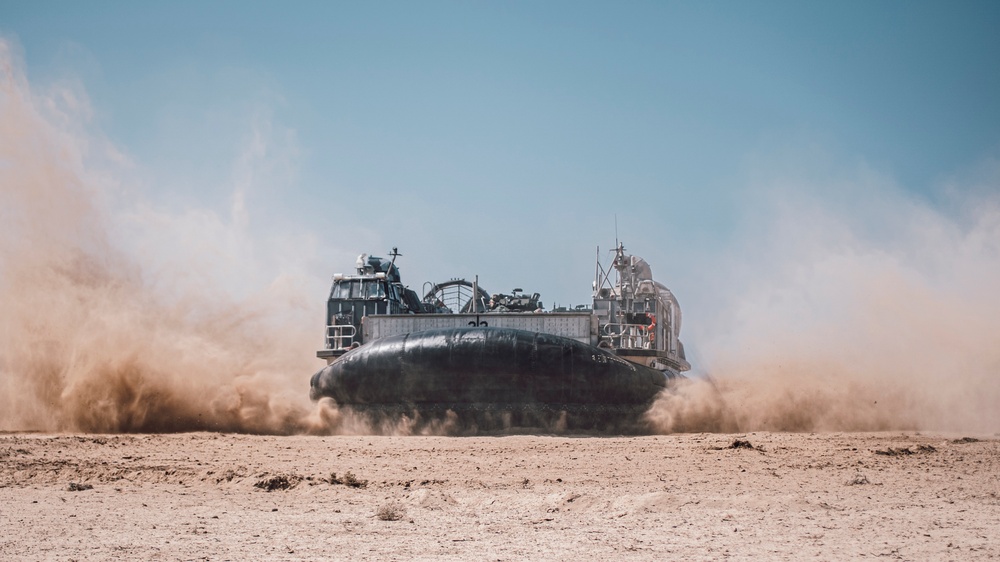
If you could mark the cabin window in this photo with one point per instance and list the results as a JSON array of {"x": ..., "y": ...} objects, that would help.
[
  {"x": 341, "y": 290},
  {"x": 374, "y": 290},
  {"x": 347, "y": 290},
  {"x": 641, "y": 306},
  {"x": 358, "y": 289}
]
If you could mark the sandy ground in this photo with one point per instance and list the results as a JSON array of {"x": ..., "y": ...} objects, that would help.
[{"x": 690, "y": 496}]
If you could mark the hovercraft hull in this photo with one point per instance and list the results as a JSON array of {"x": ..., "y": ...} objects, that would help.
[{"x": 482, "y": 369}]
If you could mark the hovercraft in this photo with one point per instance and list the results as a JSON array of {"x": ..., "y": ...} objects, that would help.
[{"x": 496, "y": 360}]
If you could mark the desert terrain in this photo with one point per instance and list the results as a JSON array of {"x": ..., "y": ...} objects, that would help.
[{"x": 777, "y": 496}]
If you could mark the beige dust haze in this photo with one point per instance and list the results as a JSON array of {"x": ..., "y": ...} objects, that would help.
[
  {"x": 833, "y": 329},
  {"x": 85, "y": 343}
]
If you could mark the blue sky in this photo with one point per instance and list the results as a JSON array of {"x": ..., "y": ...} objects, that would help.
[{"x": 505, "y": 139}]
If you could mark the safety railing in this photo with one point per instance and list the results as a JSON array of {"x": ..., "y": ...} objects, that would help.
[
  {"x": 631, "y": 336},
  {"x": 340, "y": 336}
]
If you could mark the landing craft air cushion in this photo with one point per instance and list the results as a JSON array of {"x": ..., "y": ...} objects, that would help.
[{"x": 500, "y": 359}]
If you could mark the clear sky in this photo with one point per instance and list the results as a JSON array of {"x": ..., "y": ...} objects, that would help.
[{"x": 506, "y": 139}]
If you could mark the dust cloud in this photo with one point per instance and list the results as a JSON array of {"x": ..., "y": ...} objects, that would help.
[
  {"x": 86, "y": 341},
  {"x": 881, "y": 314}
]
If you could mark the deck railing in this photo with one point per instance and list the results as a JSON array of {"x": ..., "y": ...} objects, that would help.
[
  {"x": 340, "y": 336},
  {"x": 630, "y": 336}
]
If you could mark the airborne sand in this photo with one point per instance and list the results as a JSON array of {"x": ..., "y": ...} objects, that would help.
[{"x": 834, "y": 496}]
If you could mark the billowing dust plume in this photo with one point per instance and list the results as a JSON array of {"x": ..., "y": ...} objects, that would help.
[
  {"x": 86, "y": 343},
  {"x": 879, "y": 314}
]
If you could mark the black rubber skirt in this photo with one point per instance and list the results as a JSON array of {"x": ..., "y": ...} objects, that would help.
[{"x": 514, "y": 376}]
